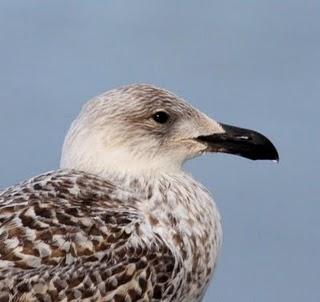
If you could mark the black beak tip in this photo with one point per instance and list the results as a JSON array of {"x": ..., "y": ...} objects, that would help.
[
  {"x": 275, "y": 154},
  {"x": 269, "y": 152},
  {"x": 261, "y": 148}
]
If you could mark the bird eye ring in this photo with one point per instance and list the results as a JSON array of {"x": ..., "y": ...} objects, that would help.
[{"x": 161, "y": 117}]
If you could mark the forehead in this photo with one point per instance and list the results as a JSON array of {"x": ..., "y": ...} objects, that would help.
[{"x": 145, "y": 98}]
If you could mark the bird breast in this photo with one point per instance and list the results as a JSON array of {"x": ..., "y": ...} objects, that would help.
[{"x": 182, "y": 211}]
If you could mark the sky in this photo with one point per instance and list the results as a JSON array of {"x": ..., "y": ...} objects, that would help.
[{"x": 253, "y": 64}]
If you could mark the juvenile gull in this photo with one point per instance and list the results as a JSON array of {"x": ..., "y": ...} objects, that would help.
[{"x": 121, "y": 221}]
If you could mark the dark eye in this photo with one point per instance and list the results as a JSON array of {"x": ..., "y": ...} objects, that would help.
[{"x": 161, "y": 117}]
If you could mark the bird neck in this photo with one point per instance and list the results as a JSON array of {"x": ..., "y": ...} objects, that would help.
[{"x": 103, "y": 162}]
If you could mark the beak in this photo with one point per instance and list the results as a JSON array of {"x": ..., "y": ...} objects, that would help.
[{"x": 244, "y": 142}]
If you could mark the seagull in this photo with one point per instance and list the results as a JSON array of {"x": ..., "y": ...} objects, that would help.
[{"x": 120, "y": 220}]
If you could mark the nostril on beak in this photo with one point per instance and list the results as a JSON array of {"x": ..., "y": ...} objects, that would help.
[{"x": 245, "y": 138}]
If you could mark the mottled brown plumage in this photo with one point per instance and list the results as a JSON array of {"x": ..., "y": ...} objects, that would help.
[{"x": 71, "y": 236}]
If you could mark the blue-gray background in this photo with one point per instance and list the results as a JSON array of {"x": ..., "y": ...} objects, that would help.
[{"x": 251, "y": 63}]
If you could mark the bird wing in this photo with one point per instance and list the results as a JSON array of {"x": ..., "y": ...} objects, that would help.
[{"x": 69, "y": 236}]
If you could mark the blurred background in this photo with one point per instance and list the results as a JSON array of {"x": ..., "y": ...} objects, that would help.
[{"x": 254, "y": 64}]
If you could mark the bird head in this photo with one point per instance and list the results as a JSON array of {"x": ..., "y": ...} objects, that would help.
[{"x": 144, "y": 129}]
